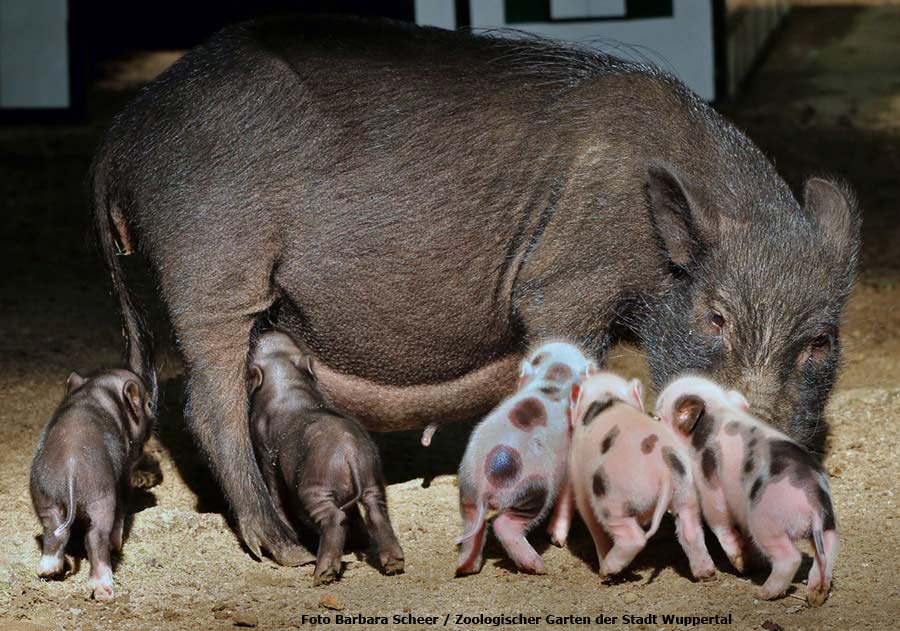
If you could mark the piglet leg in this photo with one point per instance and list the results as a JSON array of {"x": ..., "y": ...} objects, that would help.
[
  {"x": 53, "y": 555},
  {"x": 628, "y": 540},
  {"x": 785, "y": 559},
  {"x": 561, "y": 520},
  {"x": 390, "y": 555},
  {"x": 690, "y": 536},
  {"x": 472, "y": 548},
  {"x": 332, "y": 535},
  {"x": 102, "y": 514},
  {"x": 817, "y": 586},
  {"x": 510, "y": 528},
  {"x": 715, "y": 512}
]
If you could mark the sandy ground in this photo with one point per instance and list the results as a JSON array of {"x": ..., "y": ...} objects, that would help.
[{"x": 828, "y": 99}]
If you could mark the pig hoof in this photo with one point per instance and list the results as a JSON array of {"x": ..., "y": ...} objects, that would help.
[
  {"x": 101, "y": 590},
  {"x": 392, "y": 566},
  {"x": 50, "y": 567}
]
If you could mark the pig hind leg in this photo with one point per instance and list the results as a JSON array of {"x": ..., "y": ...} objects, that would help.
[
  {"x": 98, "y": 542},
  {"x": 512, "y": 524},
  {"x": 690, "y": 532},
  {"x": 472, "y": 548},
  {"x": 817, "y": 587},
  {"x": 715, "y": 512},
  {"x": 215, "y": 349},
  {"x": 332, "y": 524},
  {"x": 785, "y": 559},
  {"x": 378, "y": 523},
  {"x": 53, "y": 545},
  {"x": 628, "y": 540}
]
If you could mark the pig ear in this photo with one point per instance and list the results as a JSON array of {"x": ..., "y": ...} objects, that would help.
[
  {"x": 837, "y": 215},
  {"x": 683, "y": 223},
  {"x": 256, "y": 378},
  {"x": 74, "y": 382},
  {"x": 738, "y": 400},
  {"x": 637, "y": 393},
  {"x": 688, "y": 409}
]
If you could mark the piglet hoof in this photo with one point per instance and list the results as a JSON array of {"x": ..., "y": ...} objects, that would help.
[
  {"x": 737, "y": 562},
  {"x": 769, "y": 594},
  {"x": 325, "y": 577},
  {"x": 815, "y": 596},
  {"x": 391, "y": 565},
  {"x": 558, "y": 540},
  {"x": 706, "y": 576},
  {"x": 534, "y": 567},
  {"x": 467, "y": 569}
]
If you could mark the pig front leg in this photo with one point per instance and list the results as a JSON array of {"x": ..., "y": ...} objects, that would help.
[
  {"x": 561, "y": 520},
  {"x": 97, "y": 541}
]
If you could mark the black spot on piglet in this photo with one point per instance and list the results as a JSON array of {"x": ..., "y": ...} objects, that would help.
[
  {"x": 599, "y": 484},
  {"x": 674, "y": 461},
  {"x": 609, "y": 439}
]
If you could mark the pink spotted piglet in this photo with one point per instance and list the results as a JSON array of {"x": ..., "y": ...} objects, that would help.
[
  {"x": 626, "y": 470},
  {"x": 754, "y": 481},
  {"x": 515, "y": 462}
]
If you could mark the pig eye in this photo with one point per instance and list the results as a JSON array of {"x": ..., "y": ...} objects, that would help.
[
  {"x": 715, "y": 322},
  {"x": 820, "y": 346}
]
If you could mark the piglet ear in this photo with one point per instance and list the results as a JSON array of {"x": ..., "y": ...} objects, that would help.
[
  {"x": 131, "y": 392},
  {"x": 688, "y": 409},
  {"x": 525, "y": 373},
  {"x": 74, "y": 382},
  {"x": 256, "y": 378},
  {"x": 574, "y": 401},
  {"x": 309, "y": 368},
  {"x": 637, "y": 394},
  {"x": 738, "y": 400}
]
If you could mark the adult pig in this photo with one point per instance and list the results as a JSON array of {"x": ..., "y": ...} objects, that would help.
[{"x": 420, "y": 206}]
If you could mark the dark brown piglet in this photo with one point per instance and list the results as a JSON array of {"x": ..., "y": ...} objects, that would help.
[
  {"x": 316, "y": 463},
  {"x": 81, "y": 469}
]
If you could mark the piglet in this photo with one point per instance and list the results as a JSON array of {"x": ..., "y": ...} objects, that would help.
[
  {"x": 755, "y": 478},
  {"x": 515, "y": 462},
  {"x": 316, "y": 463},
  {"x": 626, "y": 470},
  {"x": 81, "y": 469}
]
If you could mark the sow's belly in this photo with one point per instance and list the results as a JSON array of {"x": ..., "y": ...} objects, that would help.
[{"x": 385, "y": 408}]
